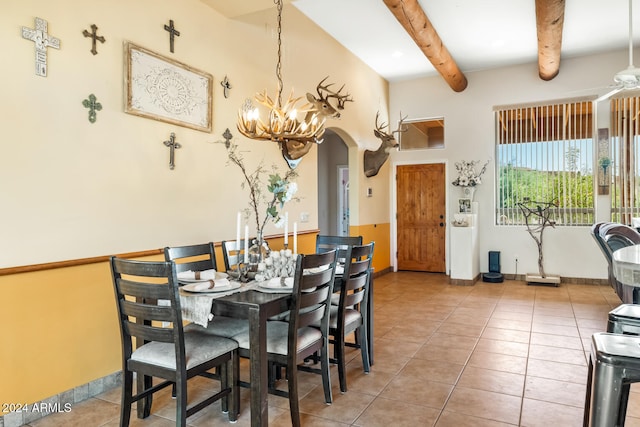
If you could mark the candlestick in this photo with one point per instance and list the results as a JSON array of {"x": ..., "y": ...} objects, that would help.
[
  {"x": 295, "y": 237},
  {"x": 286, "y": 228},
  {"x": 246, "y": 244},
  {"x": 238, "y": 221}
]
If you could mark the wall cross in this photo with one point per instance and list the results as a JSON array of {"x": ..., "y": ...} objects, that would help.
[
  {"x": 42, "y": 39},
  {"x": 93, "y": 106},
  {"x": 94, "y": 36},
  {"x": 172, "y": 33},
  {"x": 173, "y": 145}
]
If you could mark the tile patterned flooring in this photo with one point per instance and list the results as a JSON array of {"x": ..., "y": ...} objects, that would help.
[{"x": 486, "y": 355}]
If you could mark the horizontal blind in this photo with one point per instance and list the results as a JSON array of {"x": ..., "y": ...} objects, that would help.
[{"x": 545, "y": 154}]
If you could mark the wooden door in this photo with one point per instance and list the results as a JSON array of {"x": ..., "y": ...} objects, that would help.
[{"x": 420, "y": 191}]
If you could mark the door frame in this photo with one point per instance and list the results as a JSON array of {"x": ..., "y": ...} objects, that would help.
[
  {"x": 393, "y": 208},
  {"x": 343, "y": 203}
]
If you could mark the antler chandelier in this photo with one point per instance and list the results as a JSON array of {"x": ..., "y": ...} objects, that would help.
[{"x": 282, "y": 124}]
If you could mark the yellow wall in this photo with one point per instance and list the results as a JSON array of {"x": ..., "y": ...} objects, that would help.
[{"x": 379, "y": 233}]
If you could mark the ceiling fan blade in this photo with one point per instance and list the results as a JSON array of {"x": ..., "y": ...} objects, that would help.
[{"x": 609, "y": 94}]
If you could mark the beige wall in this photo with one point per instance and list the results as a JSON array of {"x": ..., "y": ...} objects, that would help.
[{"x": 73, "y": 190}]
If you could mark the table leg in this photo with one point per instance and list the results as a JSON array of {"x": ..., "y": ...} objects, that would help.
[{"x": 258, "y": 367}]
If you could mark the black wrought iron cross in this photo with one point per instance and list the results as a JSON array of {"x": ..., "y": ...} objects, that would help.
[
  {"x": 172, "y": 33},
  {"x": 94, "y": 36},
  {"x": 173, "y": 145}
]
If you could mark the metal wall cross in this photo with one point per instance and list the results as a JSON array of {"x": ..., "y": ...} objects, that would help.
[
  {"x": 93, "y": 106},
  {"x": 173, "y": 145},
  {"x": 94, "y": 36},
  {"x": 42, "y": 39},
  {"x": 172, "y": 33}
]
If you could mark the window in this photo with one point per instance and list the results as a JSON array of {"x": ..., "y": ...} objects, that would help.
[
  {"x": 544, "y": 153},
  {"x": 625, "y": 134}
]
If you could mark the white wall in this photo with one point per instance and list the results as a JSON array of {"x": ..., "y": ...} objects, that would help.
[
  {"x": 72, "y": 189},
  {"x": 469, "y": 135}
]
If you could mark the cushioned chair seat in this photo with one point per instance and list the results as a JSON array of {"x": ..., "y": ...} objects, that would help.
[
  {"x": 277, "y": 337},
  {"x": 222, "y": 326},
  {"x": 198, "y": 348},
  {"x": 350, "y": 316}
]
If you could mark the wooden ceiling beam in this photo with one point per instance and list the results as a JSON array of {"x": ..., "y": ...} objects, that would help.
[
  {"x": 549, "y": 23},
  {"x": 415, "y": 21}
]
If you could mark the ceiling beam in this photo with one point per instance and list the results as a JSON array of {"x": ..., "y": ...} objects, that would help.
[
  {"x": 549, "y": 23},
  {"x": 417, "y": 24}
]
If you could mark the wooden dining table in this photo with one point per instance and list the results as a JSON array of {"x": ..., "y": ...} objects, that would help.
[{"x": 256, "y": 307}]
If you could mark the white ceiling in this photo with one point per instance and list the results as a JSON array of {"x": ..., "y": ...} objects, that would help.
[{"x": 479, "y": 34}]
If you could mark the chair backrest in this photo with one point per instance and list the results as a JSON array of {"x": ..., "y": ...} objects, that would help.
[
  {"x": 355, "y": 279},
  {"x": 620, "y": 230},
  {"x": 232, "y": 254},
  {"x": 138, "y": 287},
  {"x": 311, "y": 294},
  {"x": 192, "y": 257},
  {"x": 595, "y": 233},
  {"x": 326, "y": 243}
]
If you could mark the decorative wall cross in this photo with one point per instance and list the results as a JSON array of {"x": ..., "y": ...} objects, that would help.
[
  {"x": 173, "y": 145},
  {"x": 172, "y": 33},
  {"x": 227, "y": 135},
  {"x": 93, "y": 106},
  {"x": 226, "y": 85},
  {"x": 42, "y": 39},
  {"x": 94, "y": 36}
]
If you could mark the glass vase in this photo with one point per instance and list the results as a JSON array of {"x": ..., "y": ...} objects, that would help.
[{"x": 258, "y": 252}]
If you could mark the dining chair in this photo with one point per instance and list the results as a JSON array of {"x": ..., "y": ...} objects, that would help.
[
  {"x": 326, "y": 242},
  {"x": 148, "y": 304},
  {"x": 201, "y": 257},
  {"x": 350, "y": 315},
  {"x": 290, "y": 342},
  {"x": 232, "y": 254},
  {"x": 616, "y": 236}
]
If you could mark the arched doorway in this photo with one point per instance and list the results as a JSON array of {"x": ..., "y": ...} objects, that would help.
[{"x": 333, "y": 185}]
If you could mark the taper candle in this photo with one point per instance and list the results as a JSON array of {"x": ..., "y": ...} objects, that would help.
[{"x": 246, "y": 244}]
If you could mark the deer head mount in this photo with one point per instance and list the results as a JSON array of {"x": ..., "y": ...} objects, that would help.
[
  {"x": 319, "y": 109},
  {"x": 373, "y": 160}
]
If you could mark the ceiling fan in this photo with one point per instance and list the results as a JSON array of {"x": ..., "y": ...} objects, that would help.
[{"x": 629, "y": 78}]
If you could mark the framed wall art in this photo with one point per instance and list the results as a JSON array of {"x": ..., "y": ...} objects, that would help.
[
  {"x": 163, "y": 89},
  {"x": 464, "y": 205}
]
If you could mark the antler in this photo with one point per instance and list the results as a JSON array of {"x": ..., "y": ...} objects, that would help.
[
  {"x": 401, "y": 126},
  {"x": 380, "y": 127},
  {"x": 333, "y": 94}
]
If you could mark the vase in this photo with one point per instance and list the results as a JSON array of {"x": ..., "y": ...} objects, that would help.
[
  {"x": 468, "y": 192},
  {"x": 258, "y": 252}
]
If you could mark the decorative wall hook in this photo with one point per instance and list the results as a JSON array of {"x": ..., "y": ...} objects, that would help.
[
  {"x": 173, "y": 145},
  {"x": 172, "y": 33},
  {"x": 226, "y": 86},
  {"x": 93, "y": 106},
  {"x": 42, "y": 39},
  {"x": 94, "y": 36}
]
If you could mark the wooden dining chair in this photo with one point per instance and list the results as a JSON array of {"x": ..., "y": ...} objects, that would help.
[
  {"x": 350, "y": 315},
  {"x": 290, "y": 342},
  {"x": 326, "y": 242},
  {"x": 148, "y": 305},
  {"x": 232, "y": 254},
  {"x": 202, "y": 257}
]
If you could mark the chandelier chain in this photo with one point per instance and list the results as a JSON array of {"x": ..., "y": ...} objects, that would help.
[{"x": 279, "y": 64}]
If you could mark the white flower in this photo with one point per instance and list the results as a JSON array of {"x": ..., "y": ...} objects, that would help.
[{"x": 467, "y": 176}]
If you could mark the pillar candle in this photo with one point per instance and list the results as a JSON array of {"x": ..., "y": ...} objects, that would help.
[
  {"x": 246, "y": 244},
  {"x": 238, "y": 232},
  {"x": 286, "y": 228},
  {"x": 295, "y": 237}
]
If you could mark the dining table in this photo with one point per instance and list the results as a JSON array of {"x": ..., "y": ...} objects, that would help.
[{"x": 626, "y": 265}]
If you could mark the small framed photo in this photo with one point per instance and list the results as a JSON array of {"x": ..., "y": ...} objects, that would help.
[
  {"x": 464, "y": 205},
  {"x": 161, "y": 88}
]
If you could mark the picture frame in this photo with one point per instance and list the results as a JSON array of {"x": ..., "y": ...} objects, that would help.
[
  {"x": 464, "y": 205},
  {"x": 160, "y": 88}
]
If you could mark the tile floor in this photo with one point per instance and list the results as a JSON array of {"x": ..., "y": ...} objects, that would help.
[{"x": 484, "y": 355}]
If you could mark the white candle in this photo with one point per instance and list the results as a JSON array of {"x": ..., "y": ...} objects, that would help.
[
  {"x": 295, "y": 237},
  {"x": 238, "y": 232},
  {"x": 286, "y": 228},
  {"x": 246, "y": 244}
]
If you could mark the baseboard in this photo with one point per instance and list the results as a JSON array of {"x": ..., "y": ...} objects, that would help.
[
  {"x": 464, "y": 282},
  {"x": 61, "y": 402}
]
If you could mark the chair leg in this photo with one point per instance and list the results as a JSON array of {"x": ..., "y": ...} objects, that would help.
[
  {"x": 587, "y": 399},
  {"x": 326, "y": 375},
  {"x": 339, "y": 352},
  {"x": 127, "y": 391},
  {"x": 294, "y": 405},
  {"x": 606, "y": 395},
  {"x": 144, "y": 405},
  {"x": 364, "y": 348},
  {"x": 223, "y": 371},
  {"x": 181, "y": 403},
  {"x": 233, "y": 371},
  {"x": 624, "y": 401}
]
